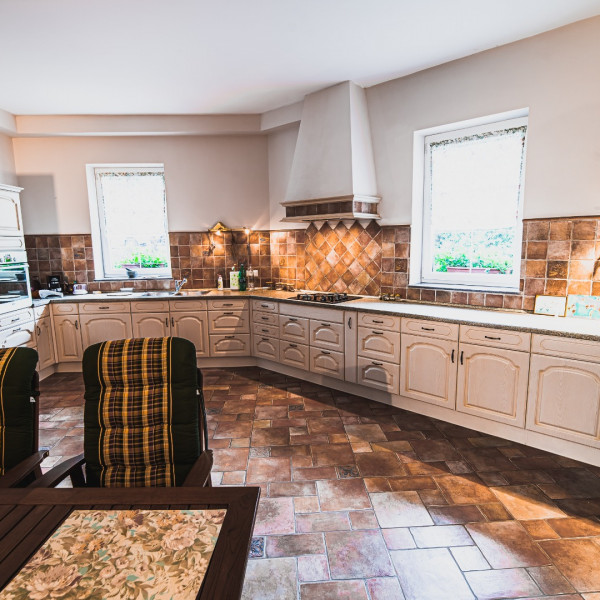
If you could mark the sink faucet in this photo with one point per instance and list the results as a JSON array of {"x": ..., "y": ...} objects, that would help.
[{"x": 179, "y": 283}]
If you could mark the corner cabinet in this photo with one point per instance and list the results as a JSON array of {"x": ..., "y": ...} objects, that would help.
[
  {"x": 45, "y": 347},
  {"x": 67, "y": 336}
]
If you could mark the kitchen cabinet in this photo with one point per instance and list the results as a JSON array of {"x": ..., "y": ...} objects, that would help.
[
  {"x": 11, "y": 224},
  {"x": 103, "y": 327},
  {"x": 327, "y": 362},
  {"x": 428, "y": 369},
  {"x": 237, "y": 344},
  {"x": 379, "y": 344},
  {"x": 19, "y": 335},
  {"x": 492, "y": 383},
  {"x": 67, "y": 336},
  {"x": 44, "y": 342},
  {"x": 326, "y": 335},
  {"x": 294, "y": 329},
  {"x": 294, "y": 355},
  {"x": 153, "y": 325},
  {"x": 228, "y": 321},
  {"x": 265, "y": 347},
  {"x": 379, "y": 375},
  {"x": 192, "y": 326}
]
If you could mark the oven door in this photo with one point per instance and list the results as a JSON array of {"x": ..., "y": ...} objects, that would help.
[{"x": 14, "y": 286}]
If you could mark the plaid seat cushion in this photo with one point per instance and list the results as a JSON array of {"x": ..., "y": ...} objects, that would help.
[
  {"x": 141, "y": 412},
  {"x": 17, "y": 412}
]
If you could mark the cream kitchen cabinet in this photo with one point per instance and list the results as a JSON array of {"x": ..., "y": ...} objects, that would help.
[
  {"x": 103, "y": 327},
  {"x": 327, "y": 362},
  {"x": 147, "y": 324},
  {"x": 377, "y": 374},
  {"x": 11, "y": 223},
  {"x": 235, "y": 344},
  {"x": 428, "y": 369},
  {"x": 192, "y": 326},
  {"x": 294, "y": 355},
  {"x": 67, "y": 337},
  {"x": 19, "y": 335},
  {"x": 294, "y": 329},
  {"x": 265, "y": 347},
  {"x": 379, "y": 344},
  {"x": 44, "y": 342},
  {"x": 326, "y": 335},
  {"x": 228, "y": 321},
  {"x": 492, "y": 383}
]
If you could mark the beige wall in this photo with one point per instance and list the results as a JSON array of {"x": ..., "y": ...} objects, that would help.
[
  {"x": 7, "y": 162},
  {"x": 555, "y": 74},
  {"x": 208, "y": 178}
]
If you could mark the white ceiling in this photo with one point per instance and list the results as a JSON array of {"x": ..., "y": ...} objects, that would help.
[{"x": 239, "y": 56}]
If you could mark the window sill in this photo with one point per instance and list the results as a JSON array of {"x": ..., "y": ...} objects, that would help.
[
  {"x": 139, "y": 278},
  {"x": 465, "y": 288}
]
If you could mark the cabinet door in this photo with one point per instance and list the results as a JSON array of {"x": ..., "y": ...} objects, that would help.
[
  {"x": 10, "y": 214},
  {"x": 68, "y": 338},
  {"x": 230, "y": 345},
  {"x": 294, "y": 355},
  {"x": 101, "y": 328},
  {"x": 379, "y": 344},
  {"x": 428, "y": 370},
  {"x": 378, "y": 374},
  {"x": 564, "y": 399},
  {"x": 45, "y": 347},
  {"x": 326, "y": 335},
  {"x": 192, "y": 326},
  {"x": 265, "y": 347},
  {"x": 293, "y": 329},
  {"x": 20, "y": 335},
  {"x": 228, "y": 321},
  {"x": 327, "y": 362},
  {"x": 492, "y": 383},
  {"x": 151, "y": 325}
]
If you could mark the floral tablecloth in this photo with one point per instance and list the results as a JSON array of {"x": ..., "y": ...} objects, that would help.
[{"x": 121, "y": 554}]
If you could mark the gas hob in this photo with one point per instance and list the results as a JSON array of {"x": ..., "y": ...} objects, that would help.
[{"x": 323, "y": 297}]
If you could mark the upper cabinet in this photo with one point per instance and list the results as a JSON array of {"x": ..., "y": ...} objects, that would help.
[{"x": 11, "y": 223}]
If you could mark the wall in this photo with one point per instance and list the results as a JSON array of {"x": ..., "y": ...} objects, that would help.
[
  {"x": 7, "y": 163},
  {"x": 208, "y": 178}
]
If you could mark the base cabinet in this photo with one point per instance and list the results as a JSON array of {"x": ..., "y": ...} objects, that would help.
[
  {"x": 265, "y": 347},
  {"x": 235, "y": 344},
  {"x": 104, "y": 327},
  {"x": 428, "y": 370},
  {"x": 327, "y": 363},
  {"x": 294, "y": 355},
  {"x": 67, "y": 336},
  {"x": 379, "y": 375},
  {"x": 150, "y": 325},
  {"x": 45, "y": 347},
  {"x": 192, "y": 326},
  {"x": 492, "y": 383},
  {"x": 564, "y": 399}
]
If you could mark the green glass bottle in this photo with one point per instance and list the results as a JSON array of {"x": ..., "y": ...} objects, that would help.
[{"x": 243, "y": 279}]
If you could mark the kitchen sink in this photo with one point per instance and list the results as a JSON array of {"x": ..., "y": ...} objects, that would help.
[{"x": 190, "y": 293}]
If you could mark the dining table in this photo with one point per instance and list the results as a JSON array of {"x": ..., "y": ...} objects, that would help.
[{"x": 32, "y": 521}]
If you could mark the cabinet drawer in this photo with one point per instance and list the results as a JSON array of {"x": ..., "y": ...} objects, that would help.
[
  {"x": 86, "y": 308},
  {"x": 332, "y": 315},
  {"x": 265, "y": 347},
  {"x": 329, "y": 336},
  {"x": 379, "y": 321},
  {"x": 265, "y": 305},
  {"x": 237, "y": 344},
  {"x": 187, "y": 305},
  {"x": 14, "y": 318},
  {"x": 265, "y": 330},
  {"x": 41, "y": 312},
  {"x": 17, "y": 336},
  {"x": 155, "y": 306},
  {"x": 294, "y": 355},
  {"x": 379, "y": 344},
  {"x": 65, "y": 308},
  {"x": 565, "y": 347},
  {"x": 228, "y": 321},
  {"x": 293, "y": 329},
  {"x": 227, "y": 303},
  {"x": 379, "y": 375},
  {"x": 447, "y": 331},
  {"x": 499, "y": 338},
  {"x": 266, "y": 318},
  {"x": 327, "y": 363}
]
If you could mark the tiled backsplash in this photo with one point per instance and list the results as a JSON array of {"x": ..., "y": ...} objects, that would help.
[{"x": 559, "y": 256}]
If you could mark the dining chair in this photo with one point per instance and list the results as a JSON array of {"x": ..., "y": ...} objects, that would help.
[
  {"x": 144, "y": 418},
  {"x": 19, "y": 417}
]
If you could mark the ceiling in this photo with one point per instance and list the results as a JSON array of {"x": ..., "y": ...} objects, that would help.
[{"x": 239, "y": 56}]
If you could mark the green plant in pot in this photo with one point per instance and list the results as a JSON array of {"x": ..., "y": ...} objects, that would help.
[{"x": 143, "y": 261}]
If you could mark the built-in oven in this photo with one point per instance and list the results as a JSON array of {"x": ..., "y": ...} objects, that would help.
[{"x": 15, "y": 292}]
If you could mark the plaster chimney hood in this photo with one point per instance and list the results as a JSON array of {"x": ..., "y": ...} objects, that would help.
[{"x": 333, "y": 172}]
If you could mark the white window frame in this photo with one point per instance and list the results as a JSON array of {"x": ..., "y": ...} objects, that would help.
[
  {"x": 96, "y": 217},
  {"x": 421, "y": 274}
]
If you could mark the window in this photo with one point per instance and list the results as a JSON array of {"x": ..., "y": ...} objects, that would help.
[
  {"x": 129, "y": 220},
  {"x": 467, "y": 206}
]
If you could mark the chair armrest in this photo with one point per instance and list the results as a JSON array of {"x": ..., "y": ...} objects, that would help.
[
  {"x": 69, "y": 468},
  {"x": 199, "y": 475},
  {"x": 19, "y": 472}
]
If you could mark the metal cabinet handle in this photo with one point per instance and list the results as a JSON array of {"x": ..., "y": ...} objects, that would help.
[
  {"x": 229, "y": 313},
  {"x": 76, "y": 324},
  {"x": 16, "y": 329},
  {"x": 14, "y": 320},
  {"x": 326, "y": 324},
  {"x": 377, "y": 332},
  {"x": 452, "y": 357},
  {"x": 229, "y": 337},
  {"x": 378, "y": 322},
  {"x": 38, "y": 330},
  {"x": 172, "y": 321},
  {"x": 462, "y": 353},
  {"x": 227, "y": 304},
  {"x": 166, "y": 321},
  {"x": 264, "y": 339},
  {"x": 292, "y": 346},
  {"x": 349, "y": 322},
  {"x": 292, "y": 319},
  {"x": 377, "y": 364},
  {"x": 428, "y": 328},
  {"x": 491, "y": 337},
  {"x": 325, "y": 352},
  {"x": 265, "y": 306},
  {"x": 263, "y": 318},
  {"x": 103, "y": 307},
  {"x": 265, "y": 330}
]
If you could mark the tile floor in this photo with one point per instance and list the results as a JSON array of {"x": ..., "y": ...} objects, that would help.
[{"x": 365, "y": 501}]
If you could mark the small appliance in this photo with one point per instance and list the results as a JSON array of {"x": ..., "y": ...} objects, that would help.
[{"x": 15, "y": 289}]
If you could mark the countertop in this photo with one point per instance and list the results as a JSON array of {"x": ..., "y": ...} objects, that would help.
[{"x": 520, "y": 321}]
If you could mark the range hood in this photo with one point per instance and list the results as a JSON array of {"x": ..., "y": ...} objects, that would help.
[{"x": 333, "y": 172}]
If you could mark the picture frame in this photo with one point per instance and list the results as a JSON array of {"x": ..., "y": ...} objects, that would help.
[
  {"x": 583, "y": 306},
  {"x": 553, "y": 306}
]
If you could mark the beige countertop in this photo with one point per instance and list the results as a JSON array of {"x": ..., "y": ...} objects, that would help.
[{"x": 521, "y": 321}]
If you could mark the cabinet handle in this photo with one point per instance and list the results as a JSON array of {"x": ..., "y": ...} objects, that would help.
[
  {"x": 378, "y": 322},
  {"x": 227, "y": 304},
  {"x": 377, "y": 364},
  {"x": 265, "y": 330},
  {"x": 349, "y": 322},
  {"x": 166, "y": 321},
  {"x": 452, "y": 357},
  {"x": 263, "y": 318},
  {"x": 265, "y": 339},
  {"x": 292, "y": 319},
  {"x": 377, "y": 332},
  {"x": 38, "y": 330},
  {"x": 462, "y": 353},
  {"x": 76, "y": 324},
  {"x": 264, "y": 306},
  {"x": 16, "y": 329},
  {"x": 14, "y": 320},
  {"x": 103, "y": 307},
  {"x": 428, "y": 328},
  {"x": 228, "y": 313},
  {"x": 326, "y": 324},
  {"x": 491, "y": 337},
  {"x": 325, "y": 352},
  {"x": 172, "y": 321},
  {"x": 292, "y": 346},
  {"x": 229, "y": 337}
]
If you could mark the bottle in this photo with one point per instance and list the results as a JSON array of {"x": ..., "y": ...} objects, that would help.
[
  {"x": 250, "y": 277},
  {"x": 234, "y": 279},
  {"x": 242, "y": 278},
  {"x": 220, "y": 282}
]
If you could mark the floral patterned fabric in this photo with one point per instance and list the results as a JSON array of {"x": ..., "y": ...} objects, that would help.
[{"x": 126, "y": 554}]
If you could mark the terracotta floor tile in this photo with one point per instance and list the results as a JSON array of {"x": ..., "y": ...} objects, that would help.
[
  {"x": 290, "y": 451},
  {"x": 399, "y": 509},
  {"x": 432, "y": 497},
  {"x": 487, "y": 459},
  {"x": 377, "y": 484},
  {"x": 306, "y": 504},
  {"x": 274, "y": 516},
  {"x": 240, "y": 443},
  {"x": 441, "y": 536},
  {"x": 577, "y": 560},
  {"x": 398, "y": 538},
  {"x": 412, "y": 483},
  {"x": 68, "y": 447},
  {"x": 276, "y": 436},
  {"x": 357, "y": 554},
  {"x": 319, "y": 521},
  {"x": 385, "y": 588},
  {"x": 464, "y": 490},
  {"x": 494, "y": 511},
  {"x": 343, "y": 494},
  {"x": 505, "y": 583},
  {"x": 430, "y": 575},
  {"x": 271, "y": 579},
  {"x": 313, "y": 568},
  {"x": 379, "y": 464},
  {"x": 505, "y": 545},
  {"x": 540, "y": 530},
  {"x": 433, "y": 450},
  {"x": 550, "y": 580},
  {"x": 526, "y": 502},
  {"x": 294, "y": 545},
  {"x": 234, "y": 478},
  {"x": 469, "y": 558},
  {"x": 580, "y": 527},
  {"x": 332, "y": 454},
  {"x": 397, "y": 446},
  {"x": 229, "y": 459},
  {"x": 450, "y": 515},
  {"x": 530, "y": 476},
  {"x": 268, "y": 469},
  {"x": 325, "y": 425},
  {"x": 363, "y": 519},
  {"x": 423, "y": 468},
  {"x": 365, "y": 433},
  {"x": 271, "y": 412},
  {"x": 581, "y": 483},
  {"x": 314, "y": 473},
  {"x": 333, "y": 590},
  {"x": 292, "y": 489}
]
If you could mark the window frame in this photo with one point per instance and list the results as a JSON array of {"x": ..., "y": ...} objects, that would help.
[
  {"x": 99, "y": 246},
  {"x": 421, "y": 273}
]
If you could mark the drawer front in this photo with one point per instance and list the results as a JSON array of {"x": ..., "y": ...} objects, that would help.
[
  {"x": 327, "y": 363},
  {"x": 20, "y": 335},
  {"x": 15, "y": 318},
  {"x": 294, "y": 355},
  {"x": 187, "y": 305},
  {"x": 237, "y": 344},
  {"x": 565, "y": 347},
  {"x": 65, "y": 308},
  {"x": 86, "y": 308},
  {"x": 227, "y": 303},
  {"x": 265, "y": 347},
  {"x": 499, "y": 338},
  {"x": 293, "y": 329},
  {"x": 265, "y": 305},
  {"x": 379, "y": 375},
  {"x": 265, "y": 318},
  {"x": 447, "y": 331},
  {"x": 379, "y": 344},
  {"x": 379, "y": 321},
  {"x": 41, "y": 311},
  {"x": 329, "y": 336},
  {"x": 228, "y": 321},
  {"x": 154, "y": 306},
  {"x": 312, "y": 312},
  {"x": 265, "y": 330}
]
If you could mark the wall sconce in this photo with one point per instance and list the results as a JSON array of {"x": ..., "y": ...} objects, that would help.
[{"x": 220, "y": 228}]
